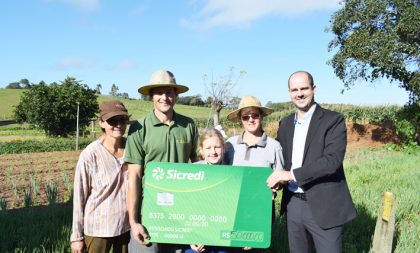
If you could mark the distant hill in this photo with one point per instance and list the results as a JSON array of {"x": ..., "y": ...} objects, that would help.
[
  {"x": 137, "y": 108},
  {"x": 8, "y": 99}
]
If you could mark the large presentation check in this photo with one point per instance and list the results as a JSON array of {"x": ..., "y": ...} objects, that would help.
[{"x": 216, "y": 205}]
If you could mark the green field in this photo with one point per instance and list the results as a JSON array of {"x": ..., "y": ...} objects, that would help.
[
  {"x": 9, "y": 98},
  {"x": 136, "y": 107},
  {"x": 369, "y": 174}
]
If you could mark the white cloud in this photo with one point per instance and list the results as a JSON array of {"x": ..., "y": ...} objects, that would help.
[
  {"x": 124, "y": 65},
  {"x": 75, "y": 63},
  {"x": 215, "y": 13}
]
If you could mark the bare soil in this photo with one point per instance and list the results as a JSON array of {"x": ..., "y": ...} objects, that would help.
[{"x": 16, "y": 170}]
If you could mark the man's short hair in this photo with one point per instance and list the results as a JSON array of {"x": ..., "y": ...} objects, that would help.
[{"x": 310, "y": 78}]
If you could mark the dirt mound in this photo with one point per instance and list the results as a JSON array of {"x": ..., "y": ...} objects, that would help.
[
  {"x": 358, "y": 135},
  {"x": 368, "y": 135}
]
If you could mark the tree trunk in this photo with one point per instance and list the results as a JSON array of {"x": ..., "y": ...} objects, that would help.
[
  {"x": 216, "y": 107},
  {"x": 216, "y": 118}
]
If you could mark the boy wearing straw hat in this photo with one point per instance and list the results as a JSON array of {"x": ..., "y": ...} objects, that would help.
[{"x": 163, "y": 136}]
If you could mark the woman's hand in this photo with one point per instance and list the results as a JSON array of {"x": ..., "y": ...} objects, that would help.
[{"x": 78, "y": 246}]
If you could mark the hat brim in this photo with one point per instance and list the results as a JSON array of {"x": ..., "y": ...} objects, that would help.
[
  {"x": 235, "y": 115},
  {"x": 145, "y": 90},
  {"x": 113, "y": 114}
]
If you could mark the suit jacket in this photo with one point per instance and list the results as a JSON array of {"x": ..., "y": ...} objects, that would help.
[{"x": 322, "y": 174}]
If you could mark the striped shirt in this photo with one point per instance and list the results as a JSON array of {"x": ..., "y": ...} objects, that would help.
[{"x": 100, "y": 194}]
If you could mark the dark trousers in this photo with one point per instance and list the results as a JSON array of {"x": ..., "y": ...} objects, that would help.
[
  {"x": 119, "y": 244},
  {"x": 301, "y": 227}
]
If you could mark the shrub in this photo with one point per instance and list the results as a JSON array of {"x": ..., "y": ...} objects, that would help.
[
  {"x": 47, "y": 145},
  {"x": 54, "y": 107}
]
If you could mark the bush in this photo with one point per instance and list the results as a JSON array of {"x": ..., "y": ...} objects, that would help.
[
  {"x": 54, "y": 107},
  {"x": 48, "y": 145}
]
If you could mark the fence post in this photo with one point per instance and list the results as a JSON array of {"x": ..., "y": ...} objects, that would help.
[
  {"x": 384, "y": 230},
  {"x": 77, "y": 127}
]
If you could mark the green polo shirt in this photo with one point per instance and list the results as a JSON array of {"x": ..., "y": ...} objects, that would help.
[{"x": 151, "y": 140}]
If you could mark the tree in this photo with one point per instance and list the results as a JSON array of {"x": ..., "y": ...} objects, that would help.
[
  {"x": 53, "y": 107},
  {"x": 125, "y": 95},
  {"x": 196, "y": 101},
  {"x": 220, "y": 91},
  {"x": 269, "y": 104},
  {"x": 377, "y": 39},
  {"x": 145, "y": 97},
  {"x": 98, "y": 89},
  {"x": 114, "y": 90},
  {"x": 190, "y": 100},
  {"x": 24, "y": 83},
  {"x": 234, "y": 102},
  {"x": 14, "y": 85}
]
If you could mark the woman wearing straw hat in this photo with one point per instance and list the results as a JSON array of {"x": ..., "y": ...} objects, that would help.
[{"x": 252, "y": 147}]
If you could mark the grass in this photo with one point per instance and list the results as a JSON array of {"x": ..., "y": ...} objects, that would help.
[
  {"x": 136, "y": 107},
  {"x": 9, "y": 98},
  {"x": 369, "y": 174}
]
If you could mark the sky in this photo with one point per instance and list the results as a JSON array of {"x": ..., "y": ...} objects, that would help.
[{"x": 124, "y": 42}]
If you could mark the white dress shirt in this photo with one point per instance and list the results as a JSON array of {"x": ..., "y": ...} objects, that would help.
[{"x": 299, "y": 139}]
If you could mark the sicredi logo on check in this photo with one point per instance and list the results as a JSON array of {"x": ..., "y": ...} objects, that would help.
[{"x": 158, "y": 174}]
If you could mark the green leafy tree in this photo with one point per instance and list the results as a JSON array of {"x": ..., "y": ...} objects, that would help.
[
  {"x": 14, "y": 85},
  {"x": 145, "y": 97},
  {"x": 53, "y": 107},
  {"x": 114, "y": 90},
  {"x": 377, "y": 39},
  {"x": 98, "y": 89},
  {"x": 25, "y": 83}
]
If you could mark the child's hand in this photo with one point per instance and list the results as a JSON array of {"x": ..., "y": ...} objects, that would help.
[{"x": 197, "y": 248}]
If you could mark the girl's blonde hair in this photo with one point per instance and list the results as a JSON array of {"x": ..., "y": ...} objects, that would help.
[{"x": 208, "y": 133}]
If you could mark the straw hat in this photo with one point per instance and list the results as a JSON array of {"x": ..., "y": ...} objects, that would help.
[
  {"x": 162, "y": 78},
  {"x": 248, "y": 101}
]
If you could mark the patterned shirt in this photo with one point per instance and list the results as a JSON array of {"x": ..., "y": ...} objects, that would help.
[{"x": 100, "y": 192}]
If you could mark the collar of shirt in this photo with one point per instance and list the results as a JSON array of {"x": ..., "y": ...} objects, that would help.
[
  {"x": 156, "y": 121},
  {"x": 262, "y": 142},
  {"x": 307, "y": 118}
]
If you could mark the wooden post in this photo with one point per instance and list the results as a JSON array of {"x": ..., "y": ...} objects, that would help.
[
  {"x": 384, "y": 230},
  {"x": 77, "y": 127},
  {"x": 92, "y": 124}
]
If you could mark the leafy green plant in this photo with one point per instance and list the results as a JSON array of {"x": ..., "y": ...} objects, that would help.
[
  {"x": 34, "y": 186},
  {"x": 3, "y": 204},
  {"x": 51, "y": 192},
  {"x": 15, "y": 189},
  {"x": 69, "y": 187},
  {"x": 53, "y": 107},
  {"x": 27, "y": 197},
  {"x": 47, "y": 145},
  {"x": 9, "y": 171}
]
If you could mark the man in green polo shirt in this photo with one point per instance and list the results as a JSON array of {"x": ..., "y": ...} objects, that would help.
[{"x": 163, "y": 136}]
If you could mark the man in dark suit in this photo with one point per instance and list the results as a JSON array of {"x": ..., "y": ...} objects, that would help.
[{"x": 316, "y": 198}]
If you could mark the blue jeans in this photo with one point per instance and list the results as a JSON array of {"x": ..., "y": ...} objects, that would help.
[{"x": 211, "y": 249}]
